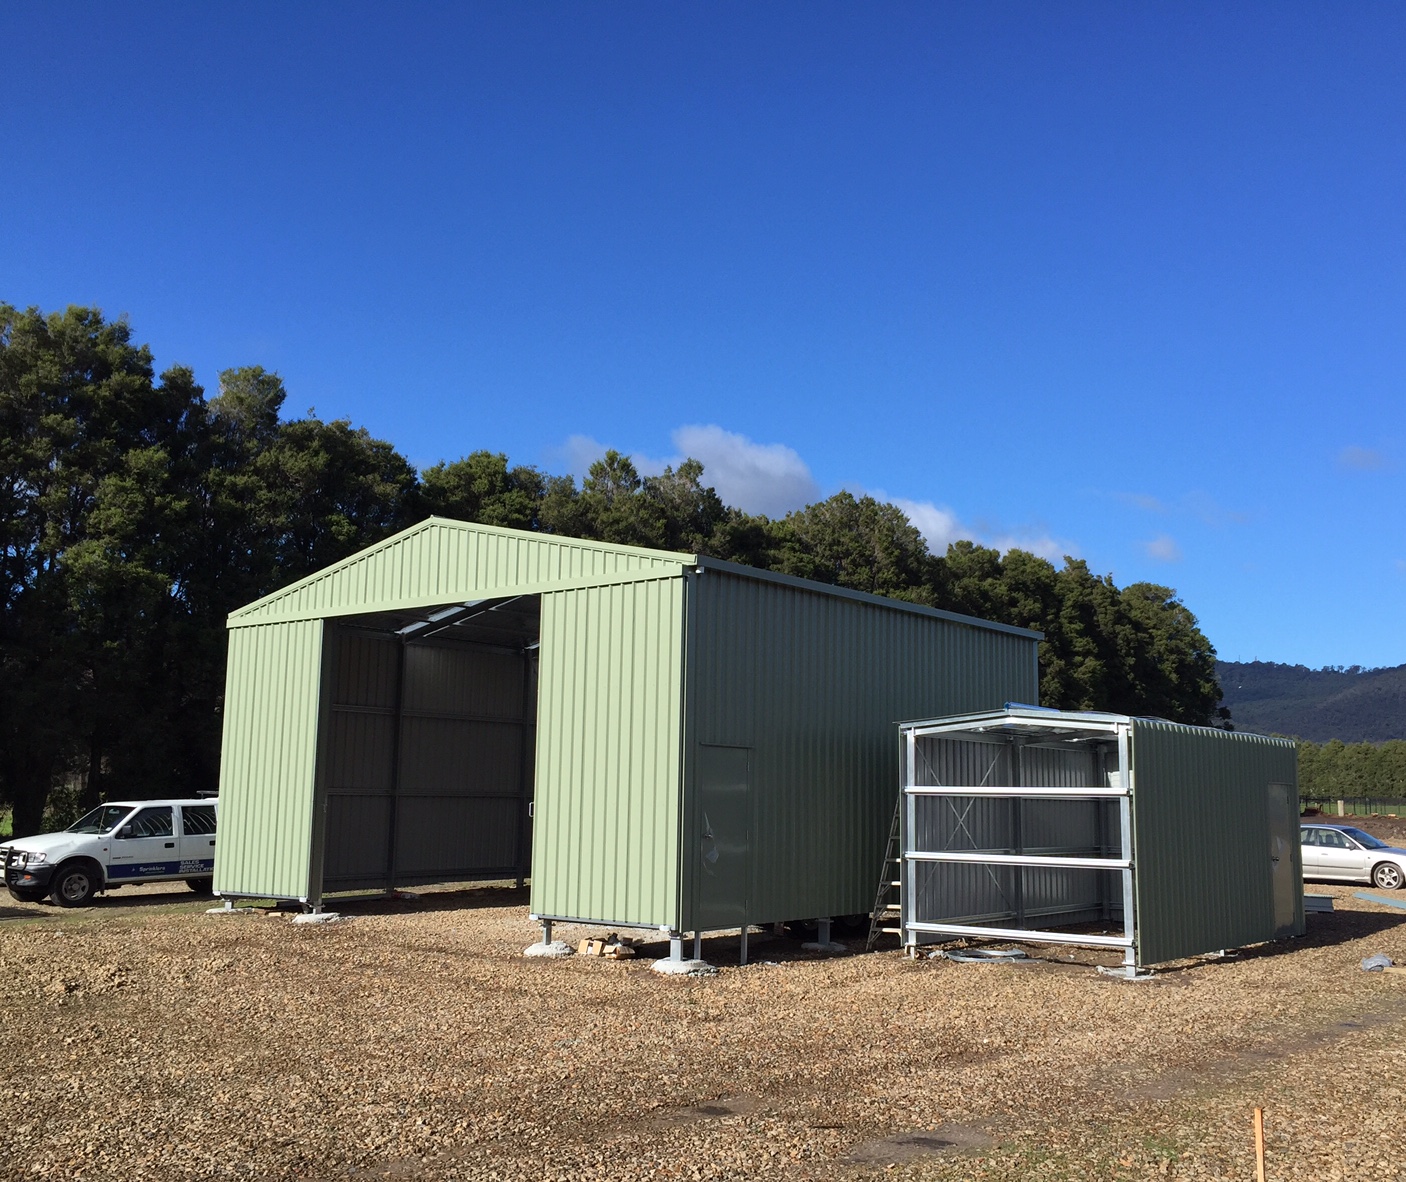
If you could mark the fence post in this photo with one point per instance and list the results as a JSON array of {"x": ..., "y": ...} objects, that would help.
[{"x": 1342, "y": 809}]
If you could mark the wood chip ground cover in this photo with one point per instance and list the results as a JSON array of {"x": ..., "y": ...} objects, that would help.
[{"x": 145, "y": 1039}]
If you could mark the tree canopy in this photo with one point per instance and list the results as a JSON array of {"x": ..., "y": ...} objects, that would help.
[{"x": 136, "y": 513}]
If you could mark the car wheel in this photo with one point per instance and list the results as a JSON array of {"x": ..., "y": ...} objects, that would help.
[
  {"x": 201, "y": 886},
  {"x": 1387, "y": 876},
  {"x": 27, "y": 896},
  {"x": 74, "y": 886}
]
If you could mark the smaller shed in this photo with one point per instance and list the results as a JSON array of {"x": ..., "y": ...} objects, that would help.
[{"x": 1102, "y": 830}]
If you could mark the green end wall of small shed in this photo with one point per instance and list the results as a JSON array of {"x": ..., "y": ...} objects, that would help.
[
  {"x": 803, "y": 687},
  {"x": 1202, "y": 836}
]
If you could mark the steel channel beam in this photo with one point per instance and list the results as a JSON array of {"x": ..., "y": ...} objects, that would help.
[
  {"x": 1041, "y": 793},
  {"x": 981, "y": 858},
  {"x": 1021, "y": 936}
]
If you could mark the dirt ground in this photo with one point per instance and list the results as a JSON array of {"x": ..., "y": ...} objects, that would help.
[{"x": 145, "y": 1039}]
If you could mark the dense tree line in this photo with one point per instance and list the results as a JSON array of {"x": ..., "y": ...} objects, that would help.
[
  {"x": 135, "y": 513},
  {"x": 1334, "y": 770}
]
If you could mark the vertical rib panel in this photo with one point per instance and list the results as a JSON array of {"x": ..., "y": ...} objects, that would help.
[
  {"x": 269, "y": 760},
  {"x": 1201, "y": 837},
  {"x": 605, "y": 833}
]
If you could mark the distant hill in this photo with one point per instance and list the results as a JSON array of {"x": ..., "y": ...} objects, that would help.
[{"x": 1354, "y": 705}]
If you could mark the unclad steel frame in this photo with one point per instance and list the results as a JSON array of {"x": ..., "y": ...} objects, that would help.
[{"x": 913, "y": 928}]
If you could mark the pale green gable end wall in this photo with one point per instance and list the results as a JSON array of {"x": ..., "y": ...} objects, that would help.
[
  {"x": 441, "y": 561},
  {"x": 814, "y": 685},
  {"x": 277, "y": 703}
]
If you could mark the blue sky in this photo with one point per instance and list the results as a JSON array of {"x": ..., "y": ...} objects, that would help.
[{"x": 1121, "y": 281}]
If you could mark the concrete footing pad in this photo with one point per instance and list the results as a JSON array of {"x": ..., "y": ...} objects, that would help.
[
  {"x": 317, "y": 917},
  {"x": 223, "y": 910},
  {"x": 831, "y": 948},
  {"x": 684, "y": 968},
  {"x": 555, "y": 948}
]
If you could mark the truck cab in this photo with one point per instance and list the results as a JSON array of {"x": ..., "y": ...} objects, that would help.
[{"x": 115, "y": 844}]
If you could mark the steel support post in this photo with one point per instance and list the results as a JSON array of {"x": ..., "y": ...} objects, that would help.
[
  {"x": 905, "y": 837},
  {"x": 546, "y": 931},
  {"x": 676, "y": 946},
  {"x": 697, "y": 945},
  {"x": 822, "y": 931},
  {"x": 743, "y": 934},
  {"x": 1125, "y": 830}
]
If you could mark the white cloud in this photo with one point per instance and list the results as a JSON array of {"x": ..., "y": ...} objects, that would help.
[
  {"x": 1196, "y": 503},
  {"x": 768, "y": 478},
  {"x": 1042, "y": 545},
  {"x": 576, "y": 455},
  {"x": 1163, "y": 548},
  {"x": 941, "y": 527},
  {"x": 1362, "y": 459},
  {"x": 772, "y": 478},
  {"x": 1142, "y": 501},
  {"x": 937, "y": 524}
]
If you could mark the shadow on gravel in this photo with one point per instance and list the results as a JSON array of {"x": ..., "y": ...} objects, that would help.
[
  {"x": 457, "y": 899},
  {"x": 901, "y": 1148},
  {"x": 172, "y": 900},
  {"x": 1326, "y": 929}
]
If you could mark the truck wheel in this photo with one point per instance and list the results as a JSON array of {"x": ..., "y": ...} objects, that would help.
[
  {"x": 201, "y": 886},
  {"x": 74, "y": 886}
]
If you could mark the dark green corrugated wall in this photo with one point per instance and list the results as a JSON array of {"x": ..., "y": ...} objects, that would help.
[
  {"x": 811, "y": 685},
  {"x": 1201, "y": 837}
]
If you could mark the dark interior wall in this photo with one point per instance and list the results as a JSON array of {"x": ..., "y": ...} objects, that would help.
[
  {"x": 1034, "y": 896},
  {"x": 428, "y": 760}
]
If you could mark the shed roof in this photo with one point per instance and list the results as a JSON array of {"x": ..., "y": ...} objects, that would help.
[
  {"x": 442, "y": 561},
  {"x": 1047, "y": 722}
]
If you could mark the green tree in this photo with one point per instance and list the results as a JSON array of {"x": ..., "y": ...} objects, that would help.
[
  {"x": 482, "y": 487},
  {"x": 93, "y": 455},
  {"x": 856, "y": 542}
]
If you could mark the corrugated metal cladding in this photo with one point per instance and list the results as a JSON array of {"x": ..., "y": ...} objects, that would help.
[
  {"x": 441, "y": 561},
  {"x": 793, "y": 697},
  {"x": 427, "y": 767},
  {"x": 1202, "y": 830},
  {"x": 268, "y": 760},
  {"x": 728, "y": 724},
  {"x": 610, "y": 699},
  {"x": 986, "y": 895}
]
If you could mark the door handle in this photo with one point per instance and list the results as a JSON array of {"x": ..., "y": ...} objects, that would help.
[{"x": 170, "y": 845}]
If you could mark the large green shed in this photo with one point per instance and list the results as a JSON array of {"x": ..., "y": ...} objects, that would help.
[{"x": 661, "y": 740}]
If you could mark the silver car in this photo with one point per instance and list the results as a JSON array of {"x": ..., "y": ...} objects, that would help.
[{"x": 1349, "y": 855}]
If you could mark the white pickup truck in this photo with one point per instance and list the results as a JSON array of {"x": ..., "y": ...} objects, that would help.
[{"x": 115, "y": 844}]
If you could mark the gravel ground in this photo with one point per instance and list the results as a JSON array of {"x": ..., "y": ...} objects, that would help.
[{"x": 146, "y": 1039}]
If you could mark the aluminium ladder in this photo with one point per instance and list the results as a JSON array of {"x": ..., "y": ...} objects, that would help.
[{"x": 887, "y": 903}]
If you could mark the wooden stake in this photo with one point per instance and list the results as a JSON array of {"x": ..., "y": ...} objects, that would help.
[{"x": 1259, "y": 1145}]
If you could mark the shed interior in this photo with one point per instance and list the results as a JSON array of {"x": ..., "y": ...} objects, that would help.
[
  {"x": 1017, "y": 827},
  {"x": 425, "y": 764}
]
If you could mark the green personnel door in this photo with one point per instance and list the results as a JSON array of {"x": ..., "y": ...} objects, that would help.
[{"x": 725, "y": 846}]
